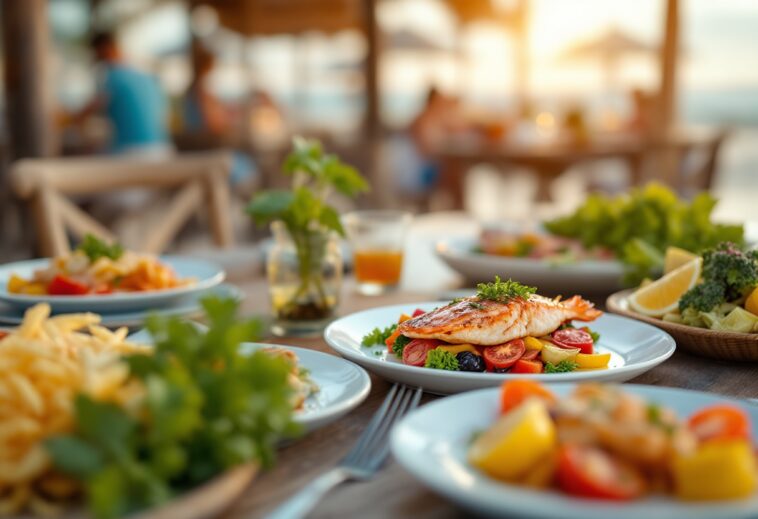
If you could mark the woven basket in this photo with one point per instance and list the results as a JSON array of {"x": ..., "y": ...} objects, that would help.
[{"x": 698, "y": 341}]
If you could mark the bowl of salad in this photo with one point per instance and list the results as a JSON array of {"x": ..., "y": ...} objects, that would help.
[
  {"x": 605, "y": 244},
  {"x": 708, "y": 302}
]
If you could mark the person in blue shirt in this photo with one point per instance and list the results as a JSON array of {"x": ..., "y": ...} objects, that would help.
[{"x": 132, "y": 101}]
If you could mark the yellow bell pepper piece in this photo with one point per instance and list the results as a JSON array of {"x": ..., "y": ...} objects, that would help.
[
  {"x": 16, "y": 284},
  {"x": 751, "y": 303},
  {"x": 457, "y": 348},
  {"x": 403, "y": 318},
  {"x": 533, "y": 343},
  {"x": 718, "y": 470},
  {"x": 592, "y": 360},
  {"x": 35, "y": 289},
  {"x": 516, "y": 442}
]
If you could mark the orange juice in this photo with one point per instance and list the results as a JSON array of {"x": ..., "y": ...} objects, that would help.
[{"x": 376, "y": 266}]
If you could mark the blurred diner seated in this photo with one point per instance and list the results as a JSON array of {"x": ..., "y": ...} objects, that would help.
[
  {"x": 642, "y": 116},
  {"x": 439, "y": 118},
  {"x": 131, "y": 100}
]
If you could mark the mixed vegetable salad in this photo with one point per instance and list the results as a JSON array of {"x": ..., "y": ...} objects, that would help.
[
  {"x": 565, "y": 350},
  {"x": 603, "y": 443}
]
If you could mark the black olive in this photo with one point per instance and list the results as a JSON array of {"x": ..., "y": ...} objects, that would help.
[{"x": 469, "y": 361}]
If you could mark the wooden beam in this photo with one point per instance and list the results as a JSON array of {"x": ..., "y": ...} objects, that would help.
[
  {"x": 29, "y": 101},
  {"x": 669, "y": 58},
  {"x": 373, "y": 120}
]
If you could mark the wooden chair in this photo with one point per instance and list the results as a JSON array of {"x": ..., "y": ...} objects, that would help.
[
  {"x": 198, "y": 181},
  {"x": 698, "y": 160}
]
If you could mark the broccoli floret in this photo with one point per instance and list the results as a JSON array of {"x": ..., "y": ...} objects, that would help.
[
  {"x": 703, "y": 297},
  {"x": 728, "y": 273},
  {"x": 441, "y": 359},
  {"x": 735, "y": 270},
  {"x": 399, "y": 345}
]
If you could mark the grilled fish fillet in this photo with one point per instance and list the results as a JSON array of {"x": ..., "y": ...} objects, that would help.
[{"x": 487, "y": 323}]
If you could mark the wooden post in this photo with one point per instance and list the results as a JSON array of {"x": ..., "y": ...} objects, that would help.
[
  {"x": 667, "y": 159},
  {"x": 372, "y": 122},
  {"x": 27, "y": 78}
]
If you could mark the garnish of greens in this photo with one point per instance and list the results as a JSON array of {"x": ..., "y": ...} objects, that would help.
[
  {"x": 96, "y": 248},
  {"x": 503, "y": 291},
  {"x": 205, "y": 408},
  {"x": 399, "y": 345},
  {"x": 306, "y": 213},
  {"x": 564, "y": 366},
  {"x": 441, "y": 359},
  {"x": 378, "y": 335},
  {"x": 639, "y": 226}
]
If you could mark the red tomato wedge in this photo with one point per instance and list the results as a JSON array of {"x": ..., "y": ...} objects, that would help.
[
  {"x": 589, "y": 472},
  {"x": 527, "y": 366},
  {"x": 720, "y": 422},
  {"x": 573, "y": 338},
  {"x": 414, "y": 353},
  {"x": 515, "y": 392},
  {"x": 65, "y": 286},
  {"x": 530, "y": 355},
  {"x": 503, "y": 356},
  {"x": 417, "y": 312}
]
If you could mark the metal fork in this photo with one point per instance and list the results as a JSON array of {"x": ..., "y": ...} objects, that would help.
[{"x": 363, "y": 460}]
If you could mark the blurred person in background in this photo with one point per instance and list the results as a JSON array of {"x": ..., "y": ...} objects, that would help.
[
  {"x": 210, "y": 123},
  {"x": 643, "y": 106},
  {"x": 439, "y": 118},
  {"x": 132, "y": 101}
]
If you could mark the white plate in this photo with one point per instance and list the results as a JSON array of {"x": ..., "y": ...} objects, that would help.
[
  {"x": 205, "y": 273},
  {"x": 635, "y": 348},
  {"x": 186, "y": 307},
  {"x": 581, "y": 277},
  {"x": 343, "y": 386},
  {"x": 432, "y": 447}
]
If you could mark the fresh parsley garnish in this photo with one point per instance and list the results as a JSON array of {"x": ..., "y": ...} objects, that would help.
[
  {"x": 441, "y": 359},
  {"x": 475, "y": 305},
  {"x": 564, "y": 366},
  {"x": 378, "y": 335},
  {"x": 400, "y": 344},
  {"x": 96, "y": 248},
  {"x": 503, "y": 291},
  {"x": 206, "y": 408}
]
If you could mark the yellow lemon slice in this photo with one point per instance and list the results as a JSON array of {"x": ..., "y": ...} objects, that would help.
[
  {"x": 675, "y": 258},
  {"x": 662, "y": 296},
  {"x": 515, "y": 443}
]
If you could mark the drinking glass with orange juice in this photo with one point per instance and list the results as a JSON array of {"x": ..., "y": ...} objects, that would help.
[{"x": 377, "y": 239}]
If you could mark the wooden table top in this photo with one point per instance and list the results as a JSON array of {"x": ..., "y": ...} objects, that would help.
[{"x": 393, "y": 492}]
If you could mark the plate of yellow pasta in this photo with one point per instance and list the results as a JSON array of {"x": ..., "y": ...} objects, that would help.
[{"x": 102, "y": 277}]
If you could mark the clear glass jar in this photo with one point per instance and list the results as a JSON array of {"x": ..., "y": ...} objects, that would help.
[{"x": 305, "y": 278}]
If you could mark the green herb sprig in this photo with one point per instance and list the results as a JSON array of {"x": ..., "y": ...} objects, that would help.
[
  {"x": 96, "y": 248},
  {"x": 564, "y": 366},
  {"x": 399, "y": 345},
  {"x": 378, "y": 335},
  {"x": 441, "y": 359},
  {"x": 503, "y": 291},
  {"x": 206, "y": 408}
]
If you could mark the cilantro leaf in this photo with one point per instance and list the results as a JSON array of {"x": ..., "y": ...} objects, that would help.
[
  {"x": 96, "y": 248},
  {"x": 564, "y": 366},
  {"x": 378, "y": 335}
]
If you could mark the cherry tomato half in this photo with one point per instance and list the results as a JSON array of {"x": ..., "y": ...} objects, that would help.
[
  {"x": 414, "y": 353},
  {"x": 515, "y": 392},
  {"x": 589, "y": 472},
  {"x": 65, "y": 286},
  {"x": 527, "y": 366},
  {"x": 417, "y": 312},
  {"x": 503, "y": 356},
  {"x": 530, "y": 355},
  {"x": 573, "y": 338},
  {"x": 720, "y": 422}
]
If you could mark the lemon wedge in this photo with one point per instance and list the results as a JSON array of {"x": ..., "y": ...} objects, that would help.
[
  {"x": 675, "y": 258},
  {"x": 516, "y": 442},
  {"x": 662, "y": 296},
  {"x": 751, "y": 303}
]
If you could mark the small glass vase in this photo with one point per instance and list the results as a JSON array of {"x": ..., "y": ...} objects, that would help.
[{"x": 305, "y": 279}]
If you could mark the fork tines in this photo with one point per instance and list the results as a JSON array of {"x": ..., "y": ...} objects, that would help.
[{"x": 372, "y": 447}]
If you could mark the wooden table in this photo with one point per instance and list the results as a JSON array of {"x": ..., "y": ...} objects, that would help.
[{"x": 393, "y": 492}]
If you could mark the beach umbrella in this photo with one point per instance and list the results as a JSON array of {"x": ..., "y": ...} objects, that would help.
[{"x": 609, "y": 48}]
